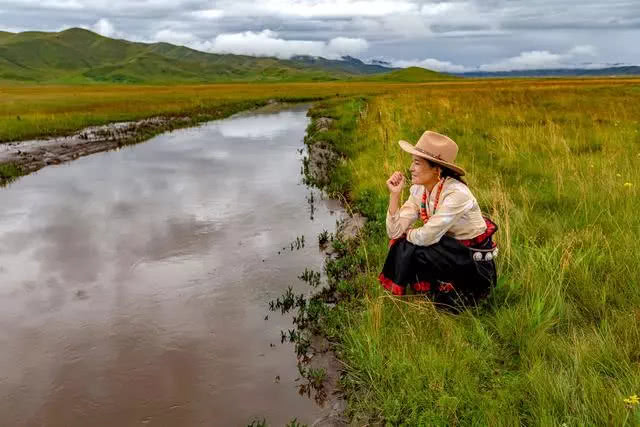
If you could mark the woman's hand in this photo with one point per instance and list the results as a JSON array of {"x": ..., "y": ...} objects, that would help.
[{"x": 395, "y": 183}]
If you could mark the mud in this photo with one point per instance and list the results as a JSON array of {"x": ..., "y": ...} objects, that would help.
[
  {"x": 319, "y": 163},
  {"x": 32, "y": 155}
]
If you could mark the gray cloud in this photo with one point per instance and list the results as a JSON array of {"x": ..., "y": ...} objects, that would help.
[{"x": 455, "y": 33}]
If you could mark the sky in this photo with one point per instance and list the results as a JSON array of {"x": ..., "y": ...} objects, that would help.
[{"x": 453, "y": 35}]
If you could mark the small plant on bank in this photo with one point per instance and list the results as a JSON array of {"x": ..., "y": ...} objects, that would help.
[
  {"x": 323, "y": 239},
  {"x": 310, "y": 277},
  {"x": 9, "y": 172},
  {"x": 258, "y": 423},
  {"x": 315, "y": 379},
  {"x": 295, "y": 423}
]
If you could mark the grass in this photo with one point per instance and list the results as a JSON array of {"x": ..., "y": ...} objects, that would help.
[
  {"x": 412, "y": 74},
  {"x": 558, "y": 342},
  {"x": 36, "y": 111},
  {"x": 29, "y": 111},
  {"x": 554, "y": 162},
  {"x": 9, "y": 172}
]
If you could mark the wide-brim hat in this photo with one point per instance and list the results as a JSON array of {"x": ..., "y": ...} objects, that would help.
[{"x": 437, "y": 148}]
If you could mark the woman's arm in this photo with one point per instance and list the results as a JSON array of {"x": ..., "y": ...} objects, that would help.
[{"x": 399, "y": 219}]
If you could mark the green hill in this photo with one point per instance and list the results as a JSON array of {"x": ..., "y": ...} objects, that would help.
[
  {"x": 81, "y": 56},
  {"x": 412, "y": 75}
]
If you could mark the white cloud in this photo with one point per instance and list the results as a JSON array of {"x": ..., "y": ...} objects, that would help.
[
  {"x": 104, "y": 27},
  {"x": 543, "y": 59},
  {"x": 431, "y": 64},
  {"x": 267, "y": 43},
  {"x": 176, "y": 37},
  {"x": 208, "y": 14},
  {"x": 346, "y": 46},
  {"x": 330, "y": 8},
  {"x": 61, "y": 4},
  {"x": 437, "y": 9},
  {"x": 586, "y": 50},
  {"x": 529, "y": 60},
  {"x": 495, "y": 33}
]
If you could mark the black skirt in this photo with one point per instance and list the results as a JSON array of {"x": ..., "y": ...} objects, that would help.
[{"x": 453, "y": 274}]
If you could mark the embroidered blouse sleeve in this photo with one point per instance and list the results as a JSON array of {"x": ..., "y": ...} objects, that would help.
[
  {"x": 452, "y": 206},
  {"x": 404, "y": 217}
]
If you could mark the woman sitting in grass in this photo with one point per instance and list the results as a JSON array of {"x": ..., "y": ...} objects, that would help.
[{"x": 451, "y": 256}]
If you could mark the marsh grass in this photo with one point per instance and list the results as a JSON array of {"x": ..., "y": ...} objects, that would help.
[
  {"x": 559, "y": 339},
  {"x": 28, "y": 112},
  {"x": 9, "y": 172}
]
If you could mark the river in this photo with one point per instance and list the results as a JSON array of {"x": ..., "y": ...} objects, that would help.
[{"x": 134, "y": 284}]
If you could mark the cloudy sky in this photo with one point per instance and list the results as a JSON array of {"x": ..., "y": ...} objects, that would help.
[{"x": 453, "y": 35}]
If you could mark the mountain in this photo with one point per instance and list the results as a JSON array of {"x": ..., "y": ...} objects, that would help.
[
  {"x": 625, "y": 70},
  {"x": 347, "y": 64},
  {"x": 412, "y": 75},
  {"x": 81, "y": 56}
]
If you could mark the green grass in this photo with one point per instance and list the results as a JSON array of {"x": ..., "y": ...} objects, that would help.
[
  {"x": 9, "y": 172},
  {"x": 37, "y": 111},
  {"x": 558, "y": 342},
  {"x": 413, "y": 75}
]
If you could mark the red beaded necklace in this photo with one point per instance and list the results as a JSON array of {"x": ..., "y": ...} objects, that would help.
[{"x": 423, "y": 206}]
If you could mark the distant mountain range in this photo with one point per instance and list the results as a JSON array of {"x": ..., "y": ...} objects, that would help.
[
  {"x": 81, "y": 56},
  {"x": 625, "y": 70}
]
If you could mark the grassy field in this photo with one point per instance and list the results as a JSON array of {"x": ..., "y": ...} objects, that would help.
[
  {"x": 558, "y": 343},
  {"x": 45, "y": 110},
  {"x": 554, "y": 162},
  {"x": 32, "y": 111}
]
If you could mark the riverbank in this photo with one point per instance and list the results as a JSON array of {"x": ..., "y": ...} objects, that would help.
[
  {"x": 23, "y": 157},
  {"x": 54, "y": 112},
  {"x": 20, "y": 158},
  {"x": 558, "y": 340}
]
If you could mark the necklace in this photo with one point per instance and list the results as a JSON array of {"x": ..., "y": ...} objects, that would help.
[{"x": 423, "y": 206}]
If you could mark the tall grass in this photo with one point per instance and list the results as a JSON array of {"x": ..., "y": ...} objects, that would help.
[
  {"x": 45, "y": 110},
  {"x": 558, "y": 342}
]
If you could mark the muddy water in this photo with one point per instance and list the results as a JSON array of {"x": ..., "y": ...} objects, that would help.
[{"x": 134, "y": 284}]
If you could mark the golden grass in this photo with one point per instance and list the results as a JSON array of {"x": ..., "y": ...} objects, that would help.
[
  {"x": 35, "y": 111},
  {"x": 556, "y": 164}
]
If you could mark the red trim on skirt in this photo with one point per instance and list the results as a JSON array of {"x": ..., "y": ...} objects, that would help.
[
  {"x": 396, "y": 289},
  {"x": 389, "y": 285}
]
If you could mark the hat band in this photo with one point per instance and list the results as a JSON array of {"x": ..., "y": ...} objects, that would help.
[{"x": 437, "y": 156}]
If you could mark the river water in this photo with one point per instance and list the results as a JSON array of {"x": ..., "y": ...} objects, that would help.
[{"x": 134, "y": 284}]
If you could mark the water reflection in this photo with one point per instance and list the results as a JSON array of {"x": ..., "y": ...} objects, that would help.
[{"x": 133, "y": 284}]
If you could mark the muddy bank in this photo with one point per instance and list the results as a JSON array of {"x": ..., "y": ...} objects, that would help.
[
  {"x": 29, "y": 156},
  {"x": 25, "y": 157},
  {"x": 321, "y": 159}
]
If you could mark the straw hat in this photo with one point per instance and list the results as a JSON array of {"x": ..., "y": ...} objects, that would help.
[{"x": 437, "y": 148}]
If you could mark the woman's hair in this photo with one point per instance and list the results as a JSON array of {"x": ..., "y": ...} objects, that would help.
[{"x": 446, "y": 172}]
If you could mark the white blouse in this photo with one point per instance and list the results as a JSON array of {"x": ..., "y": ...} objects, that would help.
[{"x": 458, "y": 215}]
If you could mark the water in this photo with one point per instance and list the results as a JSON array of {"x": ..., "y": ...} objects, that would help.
[{"x": 134, "y": 284}]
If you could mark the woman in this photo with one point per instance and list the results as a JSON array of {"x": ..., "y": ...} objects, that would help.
[{"x": 451, "y": 256}]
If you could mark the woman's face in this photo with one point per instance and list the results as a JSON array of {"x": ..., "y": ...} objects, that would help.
[{"x": 422, "y": 173}]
